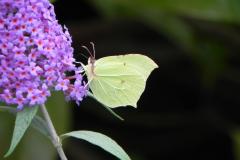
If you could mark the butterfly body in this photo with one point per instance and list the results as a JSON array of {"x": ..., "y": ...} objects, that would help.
[
  {"x": 119, "y": 80},
  {"x": 91, "y": 66}
]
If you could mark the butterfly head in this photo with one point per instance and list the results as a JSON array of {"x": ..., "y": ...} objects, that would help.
[{"x": 91, "y": 59}]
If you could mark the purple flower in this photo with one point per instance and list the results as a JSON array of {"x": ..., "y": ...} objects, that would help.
[
  {"x": 77, "y": 91},
  {"x": 35, "y": 54},
  {"x": 62, "y": 84}
]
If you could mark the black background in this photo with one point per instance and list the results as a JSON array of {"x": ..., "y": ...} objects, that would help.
[{"x": 177, "y": 117}]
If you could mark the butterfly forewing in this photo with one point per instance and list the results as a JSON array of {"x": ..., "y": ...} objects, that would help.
[{"x": 120, "y": 80}]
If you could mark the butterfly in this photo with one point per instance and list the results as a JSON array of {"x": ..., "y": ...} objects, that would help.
[{"x": 119, "y": 80}]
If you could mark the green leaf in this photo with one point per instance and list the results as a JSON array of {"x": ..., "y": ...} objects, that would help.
[
  {"x": 40, "y": 125},
  {"x": 60, "y": 113},
  {"x": 23, "y": 120},
  {"x": 30, "y": 145},
  {"x": 100, "y": 140},
  {"x": 37, "y": 123},
  {"x": 8, "y": 109},
  {"x": 33, "y": 142}
]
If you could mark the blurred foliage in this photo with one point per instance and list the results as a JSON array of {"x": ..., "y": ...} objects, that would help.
[
  {"x": 173, "y": 18},
  {"x": 60, "y": 113},
  {"x": 215, "y": 10},
  {"x": 52, "y": 1},
  {"x": 235, "y": 134}
]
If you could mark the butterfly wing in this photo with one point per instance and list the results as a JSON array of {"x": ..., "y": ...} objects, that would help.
[{"x": 120, "y": 80}]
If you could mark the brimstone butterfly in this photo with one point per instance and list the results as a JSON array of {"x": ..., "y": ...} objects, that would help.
[{"x": 118, "y": 80}]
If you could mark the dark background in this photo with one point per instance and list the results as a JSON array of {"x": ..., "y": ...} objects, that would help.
[{"x": 190, "y": 108}]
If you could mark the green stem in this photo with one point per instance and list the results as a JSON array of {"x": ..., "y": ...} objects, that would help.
[
  {"x": 106, "y": 107},
  {"x": 54, "y": 137}
]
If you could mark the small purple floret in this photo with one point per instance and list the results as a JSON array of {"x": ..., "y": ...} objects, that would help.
[{"x": 35, "y": 55}]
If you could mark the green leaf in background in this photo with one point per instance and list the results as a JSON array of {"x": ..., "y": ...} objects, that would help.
[
  {"x": 235, "y": 136},
  {"x": 23, "y": 120},
  {"x": 38, "y": 147},
  {"x": 8, "y": 109},
  {"x": 60, "y": 111},
  {"x": 117, "y": 81},
  {"x": 34, "y": 145},
  {"x": 100, "y": 140},
  {"x": 215, "y": 10},
  {"x": 52, "y": 1}
]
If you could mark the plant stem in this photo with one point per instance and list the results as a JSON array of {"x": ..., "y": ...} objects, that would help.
[{"x": 54, "y": 137}]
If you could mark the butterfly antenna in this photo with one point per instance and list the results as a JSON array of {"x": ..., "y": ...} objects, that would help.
[
  {"x": 80, "y": 62},
  {"x": 93, "y": 48},
  {"x": 83, "y": 55},
  {"x": 90, "y": 53}
]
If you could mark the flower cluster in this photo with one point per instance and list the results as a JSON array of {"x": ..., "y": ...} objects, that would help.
[{"x": 35, "y": 54}]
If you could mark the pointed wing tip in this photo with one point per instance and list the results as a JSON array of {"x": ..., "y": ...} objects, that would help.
[
  {"x": 155, "y": 65},
  {"x": 152, "y": 62},
  {"x": 134, "y": 105}
]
